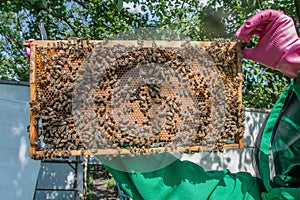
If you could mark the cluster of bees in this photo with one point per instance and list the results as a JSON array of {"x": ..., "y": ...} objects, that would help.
[
  {"x": 101, "y": 96},
  {"x": 226, "y": 61},
  {"x": 56, "y": 65}
]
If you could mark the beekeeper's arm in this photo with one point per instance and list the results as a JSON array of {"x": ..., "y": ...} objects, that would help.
[{"x": 279, "y": 48}]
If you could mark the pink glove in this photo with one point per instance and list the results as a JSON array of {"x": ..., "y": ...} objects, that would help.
[
  {"x": 27, "y": 47},
  {"x": 278, "y": 46}
]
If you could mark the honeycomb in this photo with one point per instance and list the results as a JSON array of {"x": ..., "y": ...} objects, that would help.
[{"x": 143, "y": 96}]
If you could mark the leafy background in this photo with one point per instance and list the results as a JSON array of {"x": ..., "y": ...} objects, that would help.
[{"x": 98, "y": 19}]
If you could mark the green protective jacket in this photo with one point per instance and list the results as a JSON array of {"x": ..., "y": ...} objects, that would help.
[
  {"x": 279, "y": 146},
  {"x": 178, "y": 179}
]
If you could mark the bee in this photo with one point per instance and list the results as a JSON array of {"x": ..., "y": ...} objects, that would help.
[
  {"x": 44, "y": 59},
  {"x": 105, "y": 41},
  {"x": 154, "y": 45},
  {"x": 140, "y": 43}
]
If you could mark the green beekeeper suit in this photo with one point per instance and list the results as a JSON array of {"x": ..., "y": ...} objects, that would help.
[{"x": 180, "y": 180}]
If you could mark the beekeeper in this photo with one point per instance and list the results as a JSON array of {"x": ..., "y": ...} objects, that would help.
[{"x": 278, "y": 48}]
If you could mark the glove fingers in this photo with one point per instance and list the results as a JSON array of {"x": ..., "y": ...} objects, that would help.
[
  {"x": 249, "y": 53},
  {"x": 256, "y": 22}
]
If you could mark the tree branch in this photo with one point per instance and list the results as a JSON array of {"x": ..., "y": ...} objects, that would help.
[{"x": 66, "y": 21}]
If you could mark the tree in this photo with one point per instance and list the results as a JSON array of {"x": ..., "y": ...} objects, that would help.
[
  {"x": 98, "y": 19},
  {"x": 13, "y": 63},
  {"x": 20, "y": 20}
]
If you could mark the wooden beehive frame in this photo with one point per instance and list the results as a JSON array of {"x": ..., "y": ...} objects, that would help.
[{"x": 38, "y": 153}]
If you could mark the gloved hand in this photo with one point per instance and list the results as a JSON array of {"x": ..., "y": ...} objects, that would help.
[
  {"x": 278, "y": 46},
  {"x": 27, "y": 47}
]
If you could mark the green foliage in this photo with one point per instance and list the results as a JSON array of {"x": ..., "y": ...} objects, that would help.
[
  {"x": 110, "y": 183},
  {"x": 175, "y": 19},
  {"x": 262, "y": 86},
  {"x": 20, "y": 20},
  {"x": 13, "y": 61},
  {"x": 90, "y": 187}
]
